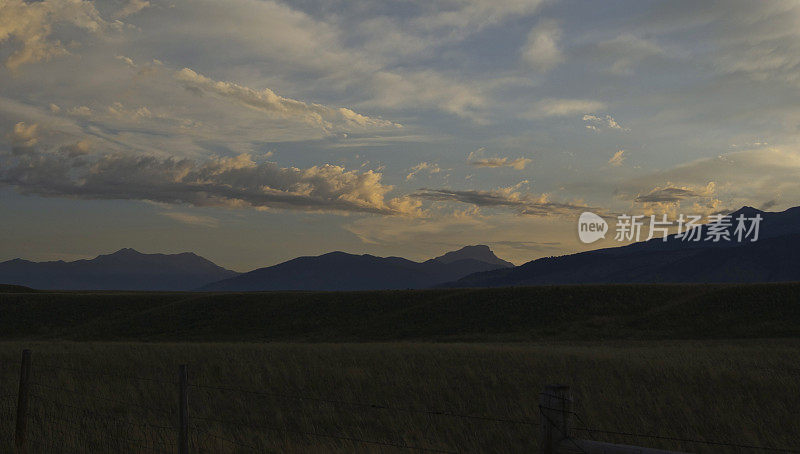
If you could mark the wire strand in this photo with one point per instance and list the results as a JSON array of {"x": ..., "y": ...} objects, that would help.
[
  {"x": 97, "y": 415},
  {"x": 322, "y": 435},
  {"x": 105, "y": 437},
  {"x": 687, "y": 440},
  {"x": 50, "y": 367},
  {"x": 107, "y": 399},
  {"x": 368, "y": 405},
  {"x": 226, "y": 440},
  {"x": 553, "y": 424}
]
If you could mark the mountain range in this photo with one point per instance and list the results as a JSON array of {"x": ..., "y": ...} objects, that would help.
[
  {"x": 341, "y": 271},
  {"x": 775, "y": 257},
  {"x": 125, "y": 269},
  {"x": 128, "y": 269}
]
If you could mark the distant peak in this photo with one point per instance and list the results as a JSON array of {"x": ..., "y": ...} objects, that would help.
[
  {"x": 337, "y": 254},
  {"x": 479, "y": 252},
  {"x": 126, "y": 251},
  {"x": 747, "y": 211}
]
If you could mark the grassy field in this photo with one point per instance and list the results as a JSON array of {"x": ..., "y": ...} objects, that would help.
[
  {"x": 733, "y": 391},
  {"x": 449, "y": 370},
  {"x": 589, "y": 312}
]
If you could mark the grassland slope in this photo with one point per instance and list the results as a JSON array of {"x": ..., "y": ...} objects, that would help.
[{"x": 516, "y": 314}]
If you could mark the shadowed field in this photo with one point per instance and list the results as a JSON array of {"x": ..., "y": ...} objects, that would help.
[
  {"x": 97, "y": 396},
  {"x": 590, "y": 312},
  {"x": 316, "y": 372}
]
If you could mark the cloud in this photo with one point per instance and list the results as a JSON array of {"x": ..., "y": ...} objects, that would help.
[
  {"x": 530, "y": 245},
  {"x": 767, "y": 205},
  {"x": 420, "y": 235},
  {"x": 598, "y": 123},
  {"x": 515, "y": 238},
  {"x": 80, "y": 111},
  {"x": 617, "y": 159},
  {"x": 669, "y": 199},
  {"x": 759, "y": 40},
  {"x": 671, "y": 194},
  {"x": 477, "y": 159},
  {"x": 336, "y": 56},
  {"x": 119, "y": 110},
  {"x": 79, "y": 148},
  {"x": 553, "y": 107},
  {"x": 725, "y": 182},
  {"x": 236, "y": 182},
  {"x": 268, "y": 101},
  {"x": 423, "y": 167},
  {"x": 541, "y": 50},
  {"x": 127, "y": 60},
  {"x": 471, "y": 16},
  {"x": 424, "y": 27},
  {"x": 192, "y": 219},
  {"x": 509, "y": 197},
  {"x": 24, "y": 135},
  {"x": 132, "y": 7},
  {"x": 626, "y": 51},
  {"x": 424, "y": 89},
  {"x": 29, "y": 26},
  {"x": 147, "y": 69}
]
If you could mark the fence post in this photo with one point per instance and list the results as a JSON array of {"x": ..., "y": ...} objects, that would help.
[
  {"x": 555, "y": 408},
  {"x": 20, "y": 436},
  {"x": 183, "y": 437}
]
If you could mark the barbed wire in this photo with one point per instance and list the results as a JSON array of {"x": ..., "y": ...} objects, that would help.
[
  {"x": 83, "y": 371},
  {"x": 687, "y": 440},
  {"x": 132, "y": 442},
  {"x": 58, "y": 446},
  {"x": 81, "y": 424},
  {"x": 553, "y": 424},
  {"x": 107, "y": 399},
  {"x": 661, "y": 437},
  {"x": 323, "y": 435},
  {"x": 368, "y": 405},
  {"x": 89, "y": 413},
  {"x": 226, "y": 440},
  {"x": 98, "y": 415},
  {"x": 39, "y": 417}
]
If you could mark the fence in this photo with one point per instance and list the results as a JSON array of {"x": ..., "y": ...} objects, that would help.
[{"x": 43, "y": 424}]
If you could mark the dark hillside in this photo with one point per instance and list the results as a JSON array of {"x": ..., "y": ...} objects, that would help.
[
  {"x": 587, "y": 312},
  {"x": 9, "y": 288}
]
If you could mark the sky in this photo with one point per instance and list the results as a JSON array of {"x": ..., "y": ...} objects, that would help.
[{"x": 254, "y": 131}]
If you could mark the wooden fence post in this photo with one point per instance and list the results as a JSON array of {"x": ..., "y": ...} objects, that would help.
[
  {"x": 183, "y": 437},
  {"x": 20, "y": 436},
  {"x": 555, "y": 408}
]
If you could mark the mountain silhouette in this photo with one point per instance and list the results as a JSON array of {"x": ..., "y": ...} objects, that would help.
[
  {"x": 125, "y": 269},
  {"x": 773, "y": 258},
  {"x": 479, "y": 252},
  {"x": 342, "y": 271}
]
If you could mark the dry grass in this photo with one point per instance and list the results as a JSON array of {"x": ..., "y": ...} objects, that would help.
[{"x": 741, "y": 391}]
